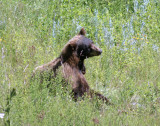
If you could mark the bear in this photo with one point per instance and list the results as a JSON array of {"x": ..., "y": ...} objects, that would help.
[{"x": 70, "y": 64}]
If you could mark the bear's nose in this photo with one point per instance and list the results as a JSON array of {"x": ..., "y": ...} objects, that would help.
[{"x": 100, "y": 51}]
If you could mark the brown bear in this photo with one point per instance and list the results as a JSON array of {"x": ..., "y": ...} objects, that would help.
[{"x": 70, "y": 64}]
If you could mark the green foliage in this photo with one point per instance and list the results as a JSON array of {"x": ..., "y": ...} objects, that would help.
[{"x": 34, "y": 32}]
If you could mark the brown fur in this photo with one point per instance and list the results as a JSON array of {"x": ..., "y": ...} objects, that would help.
[{"x": 71, "y": 61}]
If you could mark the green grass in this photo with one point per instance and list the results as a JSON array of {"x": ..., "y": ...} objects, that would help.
[{"x": 34, "y": 32}]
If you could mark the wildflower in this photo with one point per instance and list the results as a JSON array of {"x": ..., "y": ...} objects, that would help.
[
  {"x": 0, "y": 39},
  {"x": 147, "y": 42},
  {"x": 142, "y": 38},
  {"x": 125, "y": 43}
]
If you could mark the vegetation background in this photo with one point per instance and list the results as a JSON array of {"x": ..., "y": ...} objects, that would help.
[{"x": 33, "y": 32}]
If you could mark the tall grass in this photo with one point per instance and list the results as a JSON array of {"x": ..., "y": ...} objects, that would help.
[{"x": 34, "y": 32}]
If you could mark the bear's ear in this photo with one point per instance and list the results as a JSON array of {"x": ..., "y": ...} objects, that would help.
[
  {"x": 82, "y": 32},
  {"x": 67, "y": 51}
]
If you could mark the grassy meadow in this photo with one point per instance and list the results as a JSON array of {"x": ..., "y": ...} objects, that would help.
[{"x": 33, "y": 32}]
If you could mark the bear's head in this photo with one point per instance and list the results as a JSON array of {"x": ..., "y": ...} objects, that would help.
[{"x": 80, "y": 46}]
